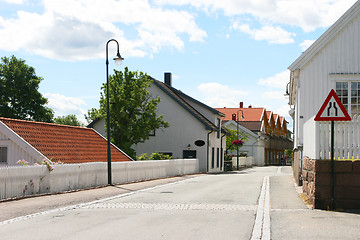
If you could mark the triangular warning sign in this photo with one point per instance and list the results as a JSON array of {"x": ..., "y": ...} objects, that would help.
[{"x": 332, "y": 109}]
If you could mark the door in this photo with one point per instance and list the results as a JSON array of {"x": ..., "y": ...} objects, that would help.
[{"x": 189, "y": 154}]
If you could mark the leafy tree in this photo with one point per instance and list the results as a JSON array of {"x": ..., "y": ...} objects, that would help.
[
  {"x": 92, "y": 114},
  {"x": 232, "y": 137},
  {"x": 19, "y": 95},
  {"x": 132, "y": 109},
  {"x": 68, "y": 120}
]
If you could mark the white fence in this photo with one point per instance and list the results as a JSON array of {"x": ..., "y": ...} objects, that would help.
[
  {"x": 347, "y": 139},
  {"x": 22, "y": 181}
]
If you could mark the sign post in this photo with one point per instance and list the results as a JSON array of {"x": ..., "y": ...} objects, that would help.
[{"x": 332, "y": 110}]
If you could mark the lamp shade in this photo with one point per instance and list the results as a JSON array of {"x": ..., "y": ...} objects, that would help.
[{"x": 118, "y": 59}]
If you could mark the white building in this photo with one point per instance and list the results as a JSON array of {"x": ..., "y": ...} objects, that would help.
[
  {"x": 195, "y": 129},
  {"x": 254, "y": 147},
  {"x": 331, "y": 62},
  {"x": 267, "y": 133}
]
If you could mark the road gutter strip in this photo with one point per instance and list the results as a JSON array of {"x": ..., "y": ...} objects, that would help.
[{"x": 261, "y": 228}]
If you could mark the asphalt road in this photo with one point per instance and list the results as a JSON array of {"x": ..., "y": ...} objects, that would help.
[{"x": 255, "y": 203}]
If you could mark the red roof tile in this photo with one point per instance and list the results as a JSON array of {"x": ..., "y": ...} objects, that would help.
[
  {"x": 250, "y": 114},
  {"x": 65, "y": 143}
]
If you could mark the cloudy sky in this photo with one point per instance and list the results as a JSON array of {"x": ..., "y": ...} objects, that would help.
[{"x": 219, "y": 52}]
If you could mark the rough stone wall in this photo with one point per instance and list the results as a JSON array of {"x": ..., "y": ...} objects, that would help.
[{"x": 316, "y": 183}]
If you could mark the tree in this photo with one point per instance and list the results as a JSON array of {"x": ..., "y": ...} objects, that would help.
[
  {"x": 19, "y": 95},
  {"x": 232, "y": 137},
  {"x": 132, "y": 109},
  {"x": 68, "y": 120},
  {"x": 92, "y": 114}
]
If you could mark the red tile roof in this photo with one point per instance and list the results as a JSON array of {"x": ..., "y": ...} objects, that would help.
[
  {"x": 250, "y": 114},
  {"x": 65, "y": 143}
]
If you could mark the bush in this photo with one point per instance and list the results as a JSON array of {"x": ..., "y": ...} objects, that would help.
[{"x": 154, "y": 156}]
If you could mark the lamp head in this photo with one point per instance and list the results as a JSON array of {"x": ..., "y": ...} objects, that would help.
[{"x": 118, "y": 59}]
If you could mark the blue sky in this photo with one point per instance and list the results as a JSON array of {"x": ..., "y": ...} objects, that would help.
[{"x": 219, "y": 52}]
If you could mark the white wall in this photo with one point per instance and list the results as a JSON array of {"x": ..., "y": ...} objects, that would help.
[
  {"x": 31, "y": 180},
  {"x": 311, "y": 139},
  {"x": 17, "y": 148},
  {"x": 184, "y": 129}
]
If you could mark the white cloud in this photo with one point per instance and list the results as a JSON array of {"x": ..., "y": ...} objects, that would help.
[
  {"x": 307, "y": 14},
  {"x": 218, "y": 95},
  {"x": 306, "y": 44},
  {"x": 63, "y": 105},
  {"x": 278, "y": 81},
  {"x": 78, "y": 29},
  {"x": 268, "y": 33}
]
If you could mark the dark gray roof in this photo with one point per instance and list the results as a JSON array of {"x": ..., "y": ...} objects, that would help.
[{"x": 179, "y": 97}]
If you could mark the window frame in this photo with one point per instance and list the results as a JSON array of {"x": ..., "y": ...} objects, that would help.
[
  {"x": 350, "y": 79},
  {"x": 7, "y": 154}
]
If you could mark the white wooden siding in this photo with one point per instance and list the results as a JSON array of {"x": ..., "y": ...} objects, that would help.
[
  {"x": 340, "y": 56},
  {"x": 14, "y": 152}
]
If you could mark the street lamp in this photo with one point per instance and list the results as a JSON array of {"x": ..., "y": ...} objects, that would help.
[
  {"x": 237, "y": 132},
  {"x": 118, "y": 60}
]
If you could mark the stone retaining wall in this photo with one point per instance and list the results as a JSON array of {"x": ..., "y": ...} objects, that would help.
[{"x": 316, "y": 183}]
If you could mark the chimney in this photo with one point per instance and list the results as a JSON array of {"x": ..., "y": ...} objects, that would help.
[
  {"x": 241, "y": 104},
  {"x": 167, "y": 78}
]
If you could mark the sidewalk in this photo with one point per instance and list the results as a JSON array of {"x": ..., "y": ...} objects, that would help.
[
  {"x": 22, "y": 207},
  {"x": 291, "y": 218}
]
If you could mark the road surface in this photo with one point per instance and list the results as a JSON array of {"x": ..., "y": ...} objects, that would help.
[{"x": 255, "y": 203}]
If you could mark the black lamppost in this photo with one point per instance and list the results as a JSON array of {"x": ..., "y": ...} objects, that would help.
[
  {"x": 237, "y": 132},
  {"x": 118, "y": 60}
]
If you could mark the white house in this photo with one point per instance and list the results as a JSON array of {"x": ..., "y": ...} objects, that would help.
[
  {"x": 195, "y": 129},
  {"x": 34, "y": 141},
  {"x": 331, "y": 62},
  {"x": 267, "y": 133},
  {"x": 254, "y": 147}
]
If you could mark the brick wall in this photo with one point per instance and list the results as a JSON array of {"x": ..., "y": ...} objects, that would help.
[{"x": 316, "y": 183}]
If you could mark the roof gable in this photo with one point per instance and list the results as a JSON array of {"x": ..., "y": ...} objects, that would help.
[
  {"x": 326, "y": 37},
  {"x": 176, "y": 95},
  {"x": 250, "y": 114},
  {"x": 65, "y": 143}
]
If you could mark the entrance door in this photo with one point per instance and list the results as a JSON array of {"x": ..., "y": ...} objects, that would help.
[{"x": 189, "y": 154}]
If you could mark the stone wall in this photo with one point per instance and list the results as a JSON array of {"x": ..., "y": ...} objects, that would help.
[{"x": 316, "y": 183}]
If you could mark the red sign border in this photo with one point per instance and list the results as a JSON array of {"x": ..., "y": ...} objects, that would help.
[{"x": 326, "y": 102}]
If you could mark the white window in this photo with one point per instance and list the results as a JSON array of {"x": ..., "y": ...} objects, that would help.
[
  {"x": 349, "y": 94},
  {"x": 3, "y": 154}
]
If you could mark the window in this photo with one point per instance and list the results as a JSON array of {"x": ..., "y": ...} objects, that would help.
[
  {"x": 219, "y": 127},
  {"x": 221, "y": 157},
  {"x": 349, "y": 94},
  {"x": 217, "y": 157},
  {"x": 152, "y": 133},
  {"x": 212, "y": 157},
  {"x": 3, "y": 154}
]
